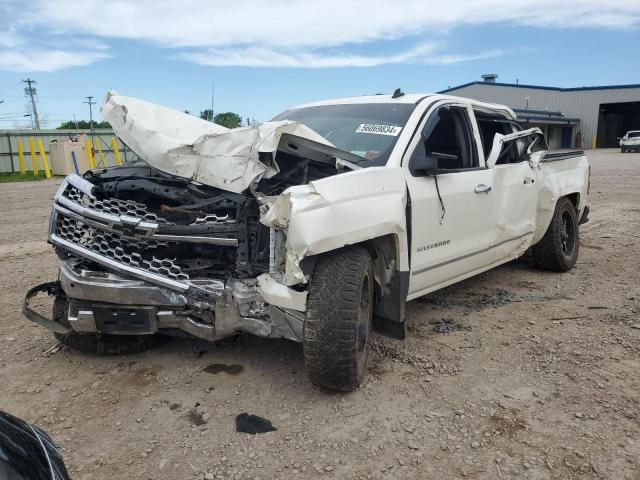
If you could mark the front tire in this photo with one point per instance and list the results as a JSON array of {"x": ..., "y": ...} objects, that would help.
[
  {"x": 338, "y": 319},
  {"x": 99, "y": 343},
  {"x": 558, "y": 250}
]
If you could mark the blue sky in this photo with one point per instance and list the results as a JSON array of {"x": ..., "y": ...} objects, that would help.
[{"x": 267, "y": 55}]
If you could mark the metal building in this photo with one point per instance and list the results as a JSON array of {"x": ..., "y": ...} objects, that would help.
[{"x": 580, "y": 117}]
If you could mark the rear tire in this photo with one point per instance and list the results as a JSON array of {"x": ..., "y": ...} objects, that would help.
[
  {"x": 558, "y": 250},
  {"x": 100, "y": 343},
  {"x": 338, "y": 319}
]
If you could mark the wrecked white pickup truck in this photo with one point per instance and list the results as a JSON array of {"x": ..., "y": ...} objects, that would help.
[{"x": 316, "y": 226}]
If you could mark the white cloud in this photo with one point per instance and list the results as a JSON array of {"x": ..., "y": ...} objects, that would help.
[
  {"x": 295, "y": 33},
  {"x": 304, "y": 23},
  {"x": 10, "y": 39},
  {"x": 303, "y": 58},
  {"x": 455, "y": 58},
  {"x": 35, "y": 60},
  {"x": 269, "y": 57}
]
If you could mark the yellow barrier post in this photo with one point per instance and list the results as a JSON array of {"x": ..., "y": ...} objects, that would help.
[
  {"x": 34, "y": 159},
  {"x": 23, "y": 165},
  {"x": 43, "y": 156},
  {"x": 92, "y": 162},
  {"x": 104, "y": 160},
  {"x": 116, "y": 151},
  {"x": 593, "y": 142}
]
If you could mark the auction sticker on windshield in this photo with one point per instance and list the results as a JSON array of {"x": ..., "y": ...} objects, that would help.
[{"x": 391, "y": 130}]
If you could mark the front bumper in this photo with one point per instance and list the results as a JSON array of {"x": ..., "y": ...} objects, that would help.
[
  {"x": 630, "y": 146},
  {"x": 105, "y": 302},
  {"x": 118, "y": 280}
]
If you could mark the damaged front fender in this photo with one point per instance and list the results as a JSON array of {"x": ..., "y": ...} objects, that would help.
[{"x": 338, "y": 211}]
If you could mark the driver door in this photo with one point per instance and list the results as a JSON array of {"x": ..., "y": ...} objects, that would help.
[{"x": 451, "y": 212}]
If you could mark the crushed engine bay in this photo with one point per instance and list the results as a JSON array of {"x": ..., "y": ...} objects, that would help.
[{"x": 174, "y": 227}]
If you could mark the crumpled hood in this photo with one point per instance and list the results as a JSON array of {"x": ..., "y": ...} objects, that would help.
[{"x": 189, "y": 147}]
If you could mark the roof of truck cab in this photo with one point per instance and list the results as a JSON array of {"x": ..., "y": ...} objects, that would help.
[{"x": 408, "y": 98}]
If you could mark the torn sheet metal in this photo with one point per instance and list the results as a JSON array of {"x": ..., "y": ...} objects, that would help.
[
  {"x": 499, "y": 140},
  {"x": 275, "y": 293},
  {"x": 189, "y": 147}
]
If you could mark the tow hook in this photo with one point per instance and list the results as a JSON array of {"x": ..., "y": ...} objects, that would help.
[{"x": 51, "y": 289}]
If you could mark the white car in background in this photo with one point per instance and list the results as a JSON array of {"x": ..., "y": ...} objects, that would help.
[{"x": 630, "y": 141}]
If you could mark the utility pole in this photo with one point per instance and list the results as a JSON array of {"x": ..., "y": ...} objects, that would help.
[
  {"x": 30, "y": 91},
  {"x": 90, "y": 102},
  {"x": 213, "y": 93}
]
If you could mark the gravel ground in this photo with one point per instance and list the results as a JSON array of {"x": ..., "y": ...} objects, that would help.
[{"x": 515, "y": 373}]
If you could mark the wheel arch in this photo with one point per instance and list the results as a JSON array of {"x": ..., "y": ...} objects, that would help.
[
  {"x": 391, "y": 282},
  {"x": 546, "y": 210},
  {"x": 552, "y": 252},
  {"x": 391, "y": 285},
  {"x": 574, "y": 198}
]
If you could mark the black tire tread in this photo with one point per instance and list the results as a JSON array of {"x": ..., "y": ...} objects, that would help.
[
  {"x": 547, "y": 253},
  {"x": 330, "y": 329},
  {"x": 101, "y": 344}
]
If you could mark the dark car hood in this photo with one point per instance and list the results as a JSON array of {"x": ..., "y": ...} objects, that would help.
[{"x": 28, "y": 453}]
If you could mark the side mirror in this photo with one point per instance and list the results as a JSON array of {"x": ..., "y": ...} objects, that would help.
[
  {"x": 423, "y": 164},
  {"x": 432, "y": 163}
]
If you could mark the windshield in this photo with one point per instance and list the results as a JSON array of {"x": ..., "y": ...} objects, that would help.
[
  {"x": 633, "y": 134},
  {"x": 368, "y": 130}
]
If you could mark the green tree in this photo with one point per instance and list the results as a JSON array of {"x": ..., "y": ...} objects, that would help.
[
  {"x": 228, "y": 119},
  {"x": 207, "y": 114}
]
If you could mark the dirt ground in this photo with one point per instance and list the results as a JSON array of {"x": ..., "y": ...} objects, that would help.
[{"x": 513, "y": 374}]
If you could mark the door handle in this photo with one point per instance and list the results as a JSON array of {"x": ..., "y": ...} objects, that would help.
[{"x": 482, "y": 188}]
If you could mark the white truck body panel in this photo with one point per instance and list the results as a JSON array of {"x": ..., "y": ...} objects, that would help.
[{"x": 378, "y": 194}]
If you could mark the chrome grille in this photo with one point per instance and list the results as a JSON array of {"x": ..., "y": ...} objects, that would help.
[
  {"x": 112, "y": 206},
  {"x": 118, "y": 248},
  {"x": 213, "y": 218}
]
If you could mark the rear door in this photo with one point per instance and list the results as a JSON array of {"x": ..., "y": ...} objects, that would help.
[{"x": 513, "y": 157}]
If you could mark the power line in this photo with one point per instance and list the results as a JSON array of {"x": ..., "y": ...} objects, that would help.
[
  {"x": 23, "y": 115},
  {"x": 30, "y": 91},
  {"x": 61, "y": 97}
]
